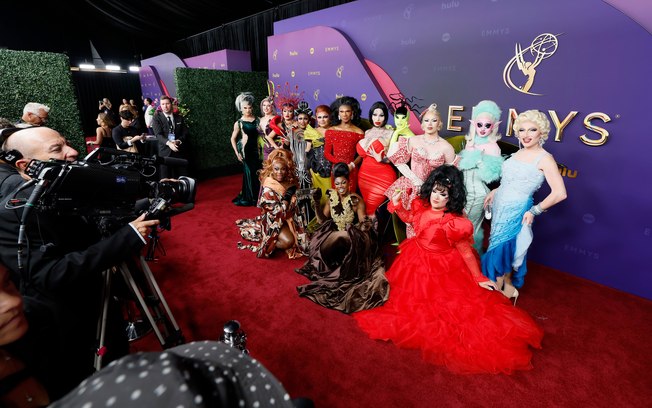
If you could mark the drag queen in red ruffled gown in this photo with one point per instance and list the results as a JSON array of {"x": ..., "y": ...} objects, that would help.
[{"x": 439, "y": 300}]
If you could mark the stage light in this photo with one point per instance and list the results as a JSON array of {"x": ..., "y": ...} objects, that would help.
[
  {"x": 134, "y": 68},
  {"x": 86, "y": 66},
  {"x": 110, "y": 67}
]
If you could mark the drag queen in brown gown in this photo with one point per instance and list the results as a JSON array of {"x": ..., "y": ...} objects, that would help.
[{"x": 345, "y": 262}]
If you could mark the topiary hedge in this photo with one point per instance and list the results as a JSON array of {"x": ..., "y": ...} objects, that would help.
[
  {"x": 209, "y": 96},
  {"x": 44, "y": 77}
]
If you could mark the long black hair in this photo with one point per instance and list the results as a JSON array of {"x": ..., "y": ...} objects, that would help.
[
  {"x": 382, "y": 107},
  {"x": 450, "y": 178}
]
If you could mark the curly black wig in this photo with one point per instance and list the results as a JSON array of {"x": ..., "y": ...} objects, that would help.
[{"x": 450, "y": 178}]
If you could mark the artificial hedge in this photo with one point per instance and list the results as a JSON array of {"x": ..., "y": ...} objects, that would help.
[
  {"x": 209, "y": 95},
  {"x": 44, "y": 77}
]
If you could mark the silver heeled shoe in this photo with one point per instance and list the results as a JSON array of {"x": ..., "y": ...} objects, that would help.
[{"x": 514, "y": 294}]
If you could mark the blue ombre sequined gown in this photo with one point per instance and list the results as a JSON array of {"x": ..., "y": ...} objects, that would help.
[{"x": 509, "y": 240}]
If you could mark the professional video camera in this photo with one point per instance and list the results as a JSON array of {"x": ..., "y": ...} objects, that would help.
[{"x": 117, "y": 186}]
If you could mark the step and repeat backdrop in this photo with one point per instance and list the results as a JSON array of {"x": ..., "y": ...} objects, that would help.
[{"x": 584, "y": 63}]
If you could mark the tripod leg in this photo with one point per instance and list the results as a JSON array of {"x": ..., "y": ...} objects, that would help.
[
  {"x": 126, "y": 274},
  {"x": 101, "y": 323},
  {"x": 175, "y": 337}
]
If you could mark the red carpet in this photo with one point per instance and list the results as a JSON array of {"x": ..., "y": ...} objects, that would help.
[{"x": 597, "y": 349}]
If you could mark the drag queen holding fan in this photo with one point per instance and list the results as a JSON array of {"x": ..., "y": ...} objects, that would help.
[
  {"x": 439, "y": 301},
  {"x": 424, "y": 153},
  {"x": 480, "y": 163},
  {"x": 512, "y": 203}
]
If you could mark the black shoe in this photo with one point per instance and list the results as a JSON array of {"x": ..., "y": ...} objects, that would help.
[{"x": 244, "y": 203}]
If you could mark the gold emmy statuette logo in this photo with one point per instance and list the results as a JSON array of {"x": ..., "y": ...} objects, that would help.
[
  {"x": 339, "y": 71},
  {"x": 275, "y": 55},
  {"x": 292, "y": 74},
  {"x": 363, "y": 97},
  {"x": 316, "y": 94},
  {"x": 541, "y": 48},
  {"x": 312, "y": 50}
]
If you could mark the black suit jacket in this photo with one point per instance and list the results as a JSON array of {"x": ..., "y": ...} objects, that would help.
[
  {"x": 161, "y": 129},
  {"x": 61, "y": 285}
]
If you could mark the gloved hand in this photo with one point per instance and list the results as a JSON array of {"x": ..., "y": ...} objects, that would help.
[{"x": 289, "y": 193}]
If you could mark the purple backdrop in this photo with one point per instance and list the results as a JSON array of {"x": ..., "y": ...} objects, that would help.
[
  {"x": 157, "y": 73},
  {"x": 456, "y": 52}
]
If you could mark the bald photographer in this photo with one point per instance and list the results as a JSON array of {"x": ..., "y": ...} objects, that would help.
[{"x": 57, "y": 259}]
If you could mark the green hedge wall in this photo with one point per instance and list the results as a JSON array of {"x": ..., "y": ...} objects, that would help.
[
  {"x": 210, "y": 97},
  {"x": 43, "y": 77}
]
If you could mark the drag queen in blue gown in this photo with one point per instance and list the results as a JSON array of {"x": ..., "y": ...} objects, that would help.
[{"x": 512, "y": 203}]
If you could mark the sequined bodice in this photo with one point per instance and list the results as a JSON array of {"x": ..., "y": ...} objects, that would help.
[
  {"x": 341, "y": 210},
  {"x": 421, "y": 165},
  {"x": 519, "y": 179}
]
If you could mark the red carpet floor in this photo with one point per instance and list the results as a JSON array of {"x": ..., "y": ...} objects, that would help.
[{"x": 597, "y": 349}]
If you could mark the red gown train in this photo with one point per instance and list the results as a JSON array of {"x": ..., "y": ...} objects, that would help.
[{"x": 436, "y": 305}]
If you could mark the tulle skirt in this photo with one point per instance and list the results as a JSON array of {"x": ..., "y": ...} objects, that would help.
[{"x": 437, "y": 307}]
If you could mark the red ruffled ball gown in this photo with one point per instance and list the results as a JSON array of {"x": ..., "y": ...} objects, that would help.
[{"x": 436, "y": 305}]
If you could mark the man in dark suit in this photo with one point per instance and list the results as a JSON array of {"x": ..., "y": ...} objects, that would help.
[
  {"x": 60, "y": 270},
  {"x": 171, "y": 132}
]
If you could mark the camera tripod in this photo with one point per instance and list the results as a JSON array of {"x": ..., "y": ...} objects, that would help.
[{"x": 151, "y": 303}]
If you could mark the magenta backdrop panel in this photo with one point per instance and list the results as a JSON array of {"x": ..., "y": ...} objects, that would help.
[{"x": 593, "y": 60}]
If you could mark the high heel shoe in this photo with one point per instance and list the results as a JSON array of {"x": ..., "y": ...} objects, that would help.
[{"x": 514, "y": 294}]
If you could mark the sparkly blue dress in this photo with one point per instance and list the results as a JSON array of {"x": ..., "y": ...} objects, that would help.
[{"x": 509, "y": 240}]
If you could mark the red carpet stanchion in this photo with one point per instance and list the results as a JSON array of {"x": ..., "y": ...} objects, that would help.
[{"x": 596, "y": 349}]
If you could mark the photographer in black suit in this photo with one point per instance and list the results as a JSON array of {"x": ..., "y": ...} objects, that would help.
[
  {"x": 171, "y": 132},
  {"x": 59, "y": 269}
]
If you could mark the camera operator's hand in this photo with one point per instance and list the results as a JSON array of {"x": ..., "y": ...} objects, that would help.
[
  {"x": 142, "y": 226},
  {"x": 289, "y": 193}
]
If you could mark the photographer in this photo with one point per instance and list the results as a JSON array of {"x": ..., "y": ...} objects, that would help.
[{"x": 60, "y": 269}]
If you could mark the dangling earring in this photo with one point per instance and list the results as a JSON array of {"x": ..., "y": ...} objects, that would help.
[
  {"x": 541, "y": 142},
  {"x": 520, "y": 146}
]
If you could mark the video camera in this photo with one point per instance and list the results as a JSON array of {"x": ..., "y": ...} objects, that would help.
[{"x": 110, "y": 184}]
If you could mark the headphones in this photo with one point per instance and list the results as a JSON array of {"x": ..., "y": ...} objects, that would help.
[{"x": 9, "y": 156}]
